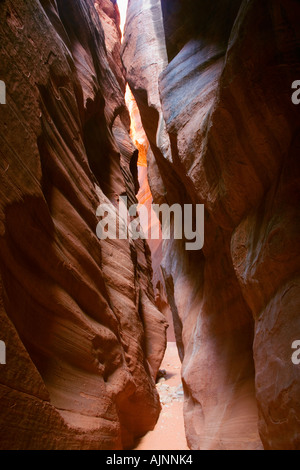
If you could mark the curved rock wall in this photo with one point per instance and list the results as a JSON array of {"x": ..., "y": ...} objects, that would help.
[
  {"x": 222, "y": 105},
  {"x": 84, "y": 339}
]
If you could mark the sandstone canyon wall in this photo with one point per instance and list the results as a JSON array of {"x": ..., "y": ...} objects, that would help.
[
  {"x": 84, "y": 338},
  {"x": 213, "y": 84}
]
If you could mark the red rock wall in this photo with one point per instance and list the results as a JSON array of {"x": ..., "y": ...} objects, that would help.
[
  {"x": 84, "y": 339},
  {"x": 213, "y": 84}
]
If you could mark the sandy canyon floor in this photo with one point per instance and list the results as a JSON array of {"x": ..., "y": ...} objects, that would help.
[{"x": 169, "y": 431}]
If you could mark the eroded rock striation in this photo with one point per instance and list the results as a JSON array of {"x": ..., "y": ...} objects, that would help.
[
  {"x": 84, "y": 338},
  {"x": 213, "y": 84}
]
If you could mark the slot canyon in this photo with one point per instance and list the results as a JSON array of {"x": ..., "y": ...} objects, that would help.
[{"x": 189, "y": 104}]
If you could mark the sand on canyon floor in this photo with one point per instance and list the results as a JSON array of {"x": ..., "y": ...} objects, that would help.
[{"x": 169, "y": 431}]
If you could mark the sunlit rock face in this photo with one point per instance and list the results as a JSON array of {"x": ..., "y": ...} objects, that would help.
[
  {"x": 220, "y": 74},
  {"x": 84, "y": 338}
]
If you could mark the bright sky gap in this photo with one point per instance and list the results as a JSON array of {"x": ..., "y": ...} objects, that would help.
[{"x": 122, "y": 4}]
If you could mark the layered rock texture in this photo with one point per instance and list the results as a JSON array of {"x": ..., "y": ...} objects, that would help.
[
  {"x": 213, "y": 84},
  {"x": 84, "y": 338}
]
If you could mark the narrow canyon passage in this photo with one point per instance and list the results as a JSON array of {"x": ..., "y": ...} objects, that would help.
[
  {"x": 108, "y": 106},
  {"x": 169, "y": 432}
]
